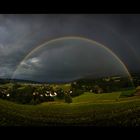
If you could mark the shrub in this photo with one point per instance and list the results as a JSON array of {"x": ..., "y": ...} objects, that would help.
[
  {"x": 68, "y": 98},
  {"x": 35, "y": 102}
]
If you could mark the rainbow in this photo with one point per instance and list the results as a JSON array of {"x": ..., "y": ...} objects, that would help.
[{"x": 75, "y": 37}]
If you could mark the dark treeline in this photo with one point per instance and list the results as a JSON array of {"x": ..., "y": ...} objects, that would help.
[{"x": 104, "y": 85}]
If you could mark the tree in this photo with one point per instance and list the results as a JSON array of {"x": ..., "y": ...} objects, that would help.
[
  {"x": 76, "y": 92},
  {"x": 60, "y": 93},
  {"x": 68, "y": 98},
  {"x": 35, "y": 102},
  {"x": 97, "y": 89},
  {"x": 32, "y": 102},
  {"x": 24, "y": 94}
]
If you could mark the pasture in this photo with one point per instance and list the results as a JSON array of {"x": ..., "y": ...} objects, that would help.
[{"x": 87, "y": 109}]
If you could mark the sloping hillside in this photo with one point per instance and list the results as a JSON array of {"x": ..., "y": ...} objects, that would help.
[{"x": 87, "y": 109}]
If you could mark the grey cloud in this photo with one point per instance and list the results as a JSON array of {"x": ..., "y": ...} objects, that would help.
[
  {"x": 67, "y": 59},
  {"x": 19, "y": 34}
]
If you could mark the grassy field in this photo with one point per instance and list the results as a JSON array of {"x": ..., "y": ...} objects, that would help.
[
  {"x": 65, "y": 87},
  {"x": 97, "y": 98},
  {"x": 86, "y": 110}
]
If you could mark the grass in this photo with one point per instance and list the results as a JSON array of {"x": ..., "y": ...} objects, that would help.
[
  {"x": 87, "y": 109},
  {"x": 127, "y": 93},
  {"x": 65, "y": 87},
  {"x": 6, "y": 85},
  {"x": 97, "y": 98}
]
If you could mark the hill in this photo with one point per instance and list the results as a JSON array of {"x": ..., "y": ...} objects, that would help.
[{"x": 88, "y": 109}]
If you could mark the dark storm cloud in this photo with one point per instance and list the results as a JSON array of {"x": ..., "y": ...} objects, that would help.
[
  {"x": 19, "y": 34},
  {"x": 69, "y": 59}
]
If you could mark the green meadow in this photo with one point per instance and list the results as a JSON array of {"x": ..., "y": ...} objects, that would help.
[{"x": 88, "y": 109}]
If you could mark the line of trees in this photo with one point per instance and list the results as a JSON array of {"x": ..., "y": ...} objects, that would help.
[
  {"x": 102, "y": 86},
  {"x": 29, "y": 94}
]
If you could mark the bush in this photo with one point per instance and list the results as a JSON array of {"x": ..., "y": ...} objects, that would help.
[
  {"x": 68, "y": 98},
  {"x": 32, "y": 102},
  {"x": 35, "y": 102}
]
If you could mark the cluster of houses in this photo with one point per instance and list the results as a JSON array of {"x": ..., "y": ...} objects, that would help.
[
  {"x": 112, "y": 78},
  {"x": 3, "y": 93},
  {"x": 51, "y": 94},
  {"x": 47, "y": 93}
]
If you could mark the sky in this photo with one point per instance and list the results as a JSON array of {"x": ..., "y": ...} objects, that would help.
[{"x": 22, "y": 33}]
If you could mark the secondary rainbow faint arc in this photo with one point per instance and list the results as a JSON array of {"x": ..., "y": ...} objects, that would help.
[{"x": 74, "y": 37}]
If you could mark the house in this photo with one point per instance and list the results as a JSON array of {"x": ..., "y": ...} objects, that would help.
[
  {"x": 55, "y": 94},
  {"x": 70, "y": 91}
]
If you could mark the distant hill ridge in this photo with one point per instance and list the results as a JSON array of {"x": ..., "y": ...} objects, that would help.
[{"x": 89, "y": 79}]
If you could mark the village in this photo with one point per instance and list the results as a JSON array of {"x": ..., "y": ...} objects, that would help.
[{"x": 33, "y": 93}]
